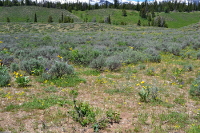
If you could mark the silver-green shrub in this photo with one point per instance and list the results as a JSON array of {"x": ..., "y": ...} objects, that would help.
[
  {"x": 4, "y": 76},
  {"x": 99, "y": 63},
  {"x": 113, "y": 63},
  {"x": 61, "y": 68}
]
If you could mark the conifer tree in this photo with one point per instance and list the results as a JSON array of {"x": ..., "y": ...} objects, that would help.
[
  {"x": 8, "y": 19},
  {"x": 50, "y": 19},
  {"x": 35, "y": 18}
]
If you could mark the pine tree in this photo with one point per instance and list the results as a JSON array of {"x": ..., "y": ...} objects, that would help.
[
  {"x": 50, "y": 19},
  {"x": 8, "y": 19},
  {"x": 35, "y": 18},
  {"x": 62, "y": 19},
  {"x": 124, "y": 13},
  {"x": 139, "y": 23}
]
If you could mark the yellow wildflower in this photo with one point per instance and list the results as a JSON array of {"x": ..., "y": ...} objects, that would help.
[
  {"x": 142, "y": 82},
  {"x": 71, "y": 49},
  {"x": 1, "y": 42}
]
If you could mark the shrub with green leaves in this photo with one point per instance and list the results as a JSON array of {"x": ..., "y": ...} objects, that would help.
[
  {"x": 61, "y": 68},
  {"x": 22, "y": 81},
  {"x": 148, "y": 93},
  {"x": 113, "y": 116},
  {"x": 195, "y": 87},
  {"x": 113, "y": 63},
  {"x": 4, "y": 76},
  {"x": 83, "y": 113}
]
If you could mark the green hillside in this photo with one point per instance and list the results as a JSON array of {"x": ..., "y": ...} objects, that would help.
[
  {"x": 26, "y": 13},
  {"x": 173, "y": 19}
]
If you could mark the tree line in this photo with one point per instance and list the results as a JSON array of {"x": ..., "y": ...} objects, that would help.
[{"x": 144, "y": 7}]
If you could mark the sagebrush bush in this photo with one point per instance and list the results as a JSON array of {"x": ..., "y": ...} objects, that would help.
[
  {"x": 6, "y": 59},
  {"x": 153, "y": 55},
  {"x": 4, "y": 76},
  {"x": 84, "y": 55},
  {"x": 14, "y": 67},
  {"x": 129, "y": 56},
  {"x": 30, "y": 65},
  {"x": 195, "y": 87},
  {"x": 196, "y": 44},
  {"x": 175, "y": 50},
  {"x": 61, "y": 68},
  {"x": 188, "y": 67},
  {"x": 150, "y": 71},
  {"x": 198, "y": 55},
  {"x": 113, "y": 63},
  {"x": 99, "y": 63}
]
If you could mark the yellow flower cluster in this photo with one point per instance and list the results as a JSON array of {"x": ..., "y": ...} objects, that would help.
[
  {"x": 1, "y": 42},
  {"x": 59, "y": 56},
  {"x": 8, "y": 96},
  {"x": 20, "y": 93},
  {"x": 71, "y": 49},
  {"x": 17, "y": 74},
  {"x": 131, "y": 47}
]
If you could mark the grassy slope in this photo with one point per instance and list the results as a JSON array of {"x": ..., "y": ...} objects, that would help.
[
  {"x": 173, "y": 19},
  {"x": 180, "y": 19},
  {"x": 22, "y": 13}
]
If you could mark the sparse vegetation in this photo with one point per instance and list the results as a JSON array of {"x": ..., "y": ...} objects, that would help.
[{"x": 98, "y": 77}]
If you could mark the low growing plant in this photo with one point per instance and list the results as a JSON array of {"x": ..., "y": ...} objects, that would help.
[
  {"x": 4, "y": 76},
  {"x": 21, "y": 80},
  {"x": 82, "y": 112},
  {"x": 148, "y": 93},
  {"x": 195, "y": 87}
]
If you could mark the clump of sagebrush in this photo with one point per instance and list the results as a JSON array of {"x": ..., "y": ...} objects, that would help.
[
  {"x": 14, "y": 67},
  {"x": 6, "y": 58},
  {"x": 4, "y": 76},
  {"x": 195, "y": 87},
  {"x": 31, "y": 65},
  {"x": 198, "y": 55},
  {"x": 150, "y": 71},
  {"x": 129, "y": 56},
  {"x": 175, "y": 50},
  {"x": 153, "y": 55},
  {"x": 188, "y": 67},
  {"x": 99, "y": 63},
  {"x": 83, "y": 55},
  {"x": 61, "y": 68},
  {"x": 196, "y": 44},
  {"x": 113, "y": 63}
]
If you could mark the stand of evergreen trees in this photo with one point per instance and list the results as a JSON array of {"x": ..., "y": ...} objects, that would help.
[{"x": 144, "y": 8}]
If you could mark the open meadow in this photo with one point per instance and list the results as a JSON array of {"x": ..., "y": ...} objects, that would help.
[{"x": 96, "y": 77}]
